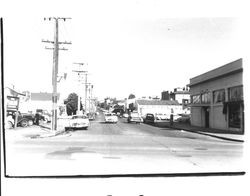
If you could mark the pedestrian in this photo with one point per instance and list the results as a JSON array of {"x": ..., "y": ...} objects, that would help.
[
  {"x": 37, "y": 118},
  {"x": 171, "y": 120}
]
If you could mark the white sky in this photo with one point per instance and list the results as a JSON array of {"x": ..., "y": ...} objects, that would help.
[{"x": 130, "y": 47}]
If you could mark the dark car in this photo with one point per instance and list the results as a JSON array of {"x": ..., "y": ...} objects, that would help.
[
  {"x": 118, "y": 111},
  {"x": 23, "y": 119},
  {"x": 91, "y": 115},
  {"x": 43, "y": 115},
  {"x": 150, "y": 118}
]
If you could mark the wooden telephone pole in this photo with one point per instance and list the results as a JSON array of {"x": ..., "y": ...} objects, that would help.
[
  {"x": 55, "y": 68},
  {"x": 79, "y": 72}
]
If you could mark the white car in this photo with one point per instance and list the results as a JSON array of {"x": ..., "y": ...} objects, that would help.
[
  {"x": 110, "y": 117},
  {"x": 160, "y": 116},
  {"x": 125, "y": 115},
  {"x": 78, "y": 121},
  {"x": 134, "y": 117}
]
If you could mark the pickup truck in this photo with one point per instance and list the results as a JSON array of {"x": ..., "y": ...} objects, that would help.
[{"x": 23, "y": 119}]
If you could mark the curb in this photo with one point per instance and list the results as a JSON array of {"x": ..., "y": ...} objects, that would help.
[
  {"x": 211, "y": 135},
  {"x": 57, "y": 133},
  {"x": 45, "y": 127}
]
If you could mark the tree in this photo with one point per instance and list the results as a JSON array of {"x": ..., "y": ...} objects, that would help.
[
  {"x": 72, "y": 104},
  {"x": 131, "y": 107},
  {"x": 131, "y": 96}
]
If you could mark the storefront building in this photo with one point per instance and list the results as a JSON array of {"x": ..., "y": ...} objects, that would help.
[
  {"x": 158, "y": 106},
  {"x": 217, "y": 98}
]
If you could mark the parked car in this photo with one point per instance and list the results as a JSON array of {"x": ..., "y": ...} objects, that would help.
[
  {"x": 78, "y": 122},
  {"x": 23, "y": 119},
  {"x": 125, "y": 115},
  {"x": 134, "y": 117},
  {"x": 91, "y": 115},
  {"x": 150, "y": 118},
  {"x": 160, "y": 116},
  {"x": 44, "y": 115},
  {"x": 110, "y": 117},
  {"x": 183, "y": 118},
  {"x": 118, "y": 111}
]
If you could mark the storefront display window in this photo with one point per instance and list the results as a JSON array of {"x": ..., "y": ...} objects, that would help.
[
  {"x": 235, "y": 93},
  {"x": 219, "y": 96},
  {"x": 205, "y": 97},
  {"x": 196, "y": 99}
]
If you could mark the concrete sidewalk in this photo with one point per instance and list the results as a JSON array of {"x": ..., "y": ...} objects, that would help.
[{"x": 220, "y": 134}]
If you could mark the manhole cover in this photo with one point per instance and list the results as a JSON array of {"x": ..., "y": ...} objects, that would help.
[
  {"x": 192, "y": 138},
  {"x": 200, "y": 148},
  {"x": 32, "y": 136},
  {"x": 111, "y": 157},
  {"x": 184, "y": 155}
]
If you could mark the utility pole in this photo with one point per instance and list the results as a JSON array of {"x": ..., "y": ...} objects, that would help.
[
  {"x": 79, "y": 72},
  {"x": 55, "y": 68},
  {"x": 89, "y": 87},
  {"x": 91, "y": 98},
  {"x": 86, "y": 87}
]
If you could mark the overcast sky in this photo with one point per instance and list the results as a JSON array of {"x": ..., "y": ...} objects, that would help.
[{"x": 128, "y": 50}]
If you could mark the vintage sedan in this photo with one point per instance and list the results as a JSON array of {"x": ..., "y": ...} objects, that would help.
[
  {"x": 78, "y": 122},
  {"x": 134, "y": 117},
  {"x": 23, "y": 119},
  {"x": 150, "y": 118},
  {"x": 160, "y": 116},
  {"x": 110, "y": 118}
]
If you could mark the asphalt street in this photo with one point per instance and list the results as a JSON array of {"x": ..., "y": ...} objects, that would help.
[{"x": 122, "y": 148}]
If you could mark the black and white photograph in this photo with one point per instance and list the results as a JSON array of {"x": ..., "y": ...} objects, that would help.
[{"x": 111, "y": 94}]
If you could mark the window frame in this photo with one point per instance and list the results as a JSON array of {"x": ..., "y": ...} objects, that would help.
[{"x": 223, "y": 99}]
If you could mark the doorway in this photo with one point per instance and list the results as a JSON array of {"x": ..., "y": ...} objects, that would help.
[{"x": 206, "y": 111}]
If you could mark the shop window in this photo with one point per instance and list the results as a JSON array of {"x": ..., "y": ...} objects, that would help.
[
  {"x": 196, "y": 99},
  {"x": 205, "y": 97},
  {"x": 234, "y": 115},
  {"x": 235, "y": 93},
  {"x": 219, "y": 96}
]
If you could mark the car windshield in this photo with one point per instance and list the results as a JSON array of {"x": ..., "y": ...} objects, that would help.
[
  {"x": 109, "y": 114},
  {"x": 79, "y": 117}
]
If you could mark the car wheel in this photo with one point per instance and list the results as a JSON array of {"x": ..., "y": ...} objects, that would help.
[
  {"x": 24, "y": 123},
  {"x": 9, "y": 125},
  {"x": 30, "y": 122}
]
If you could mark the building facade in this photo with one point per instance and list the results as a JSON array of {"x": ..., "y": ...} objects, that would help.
[
  {"x": 158, "y": 106},
  {"x": 41, "y": 100},
  {"x": 179, "y": 94},
  {"x": 12, "y": 99},
  {"x": 217, "y": 98}
]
